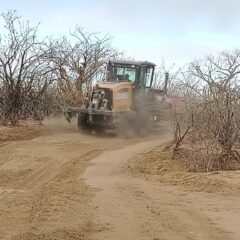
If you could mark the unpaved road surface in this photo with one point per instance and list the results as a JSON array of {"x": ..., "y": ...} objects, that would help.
[
  {"x": 42, "y": 193},
  {"x": 133, "y": 208},
  {"x": 65, "y": 185}
]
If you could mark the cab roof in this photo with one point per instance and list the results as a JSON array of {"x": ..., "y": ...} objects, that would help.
[{"x": 136, "y": 63}]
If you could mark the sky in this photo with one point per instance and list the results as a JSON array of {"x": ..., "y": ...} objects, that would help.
[{"x": 173, "y": 31}]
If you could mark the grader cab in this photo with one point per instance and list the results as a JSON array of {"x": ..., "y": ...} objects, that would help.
[{"x": 126, "y": 94}]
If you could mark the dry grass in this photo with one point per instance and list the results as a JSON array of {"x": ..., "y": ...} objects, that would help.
[{"x": 158, "y": 164}]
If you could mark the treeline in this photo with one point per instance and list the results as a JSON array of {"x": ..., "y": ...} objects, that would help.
[
  {"x": 41, "y": 77},
  {"x": 207, "y": 127}
]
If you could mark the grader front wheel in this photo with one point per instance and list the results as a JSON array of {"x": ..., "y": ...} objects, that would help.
[{"x": 83, "y": 124}]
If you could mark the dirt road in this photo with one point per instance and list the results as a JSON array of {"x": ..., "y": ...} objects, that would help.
[
  {"x": 65, "y": 185},
  {"x": 133, "y": 208}
]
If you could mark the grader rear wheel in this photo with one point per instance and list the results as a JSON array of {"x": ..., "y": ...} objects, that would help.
[{"x": 134, "y": 124}]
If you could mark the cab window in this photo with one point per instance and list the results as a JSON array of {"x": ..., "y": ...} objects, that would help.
[
  {"x": 146, "y": 76},
  {"x": 124, "y": 74}
]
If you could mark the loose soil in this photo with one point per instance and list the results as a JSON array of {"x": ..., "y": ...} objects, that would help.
[
  {"x": 26, "y": 130},
  {"x": 158, "y": 165},
  {"x": 66, "y": 185}
]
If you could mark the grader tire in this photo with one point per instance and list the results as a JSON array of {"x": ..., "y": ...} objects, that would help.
[{"x": 83, "y": 124}]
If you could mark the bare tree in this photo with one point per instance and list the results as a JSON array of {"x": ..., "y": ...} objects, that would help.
[
  {"x": 166, "y": 78},
  {"x": 212, "y": 105},
  {"x": 24, "y": 71},
  {"x": 220, "y": 97},
  {"x": 182, "y": 125},
  {"x": 79, "y": 61}
]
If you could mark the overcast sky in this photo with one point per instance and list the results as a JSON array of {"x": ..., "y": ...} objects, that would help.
[{"x": 176, "y": 30}]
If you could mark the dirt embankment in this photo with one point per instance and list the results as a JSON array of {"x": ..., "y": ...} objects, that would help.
[
  {"x": 29, "y": 129},
  {"x": 26, "y": 130},
  {"x": 158, "y": 164}
]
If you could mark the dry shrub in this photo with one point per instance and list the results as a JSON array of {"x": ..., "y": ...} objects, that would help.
[
  {"x": 210, "y": 123},
  {"x": 204, "y": 157}
]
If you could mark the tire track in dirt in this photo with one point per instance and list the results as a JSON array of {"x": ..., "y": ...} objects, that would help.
[
  {"x": 43, "y": 195},
  {"x": 46, "y": 193},
  {"x": 133, "y": 208}
]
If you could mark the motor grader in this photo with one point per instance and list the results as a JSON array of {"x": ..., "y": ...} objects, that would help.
[{"x": 125, "y": 100}]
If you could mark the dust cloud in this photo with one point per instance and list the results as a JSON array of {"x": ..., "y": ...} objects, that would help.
[{"x": 59, "y": 124}]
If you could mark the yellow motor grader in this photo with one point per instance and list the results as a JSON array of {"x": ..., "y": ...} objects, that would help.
[{"x": 125, "y": 100}]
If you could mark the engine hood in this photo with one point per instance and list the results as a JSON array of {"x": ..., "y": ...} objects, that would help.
[{"x": 115, "y": 85}]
